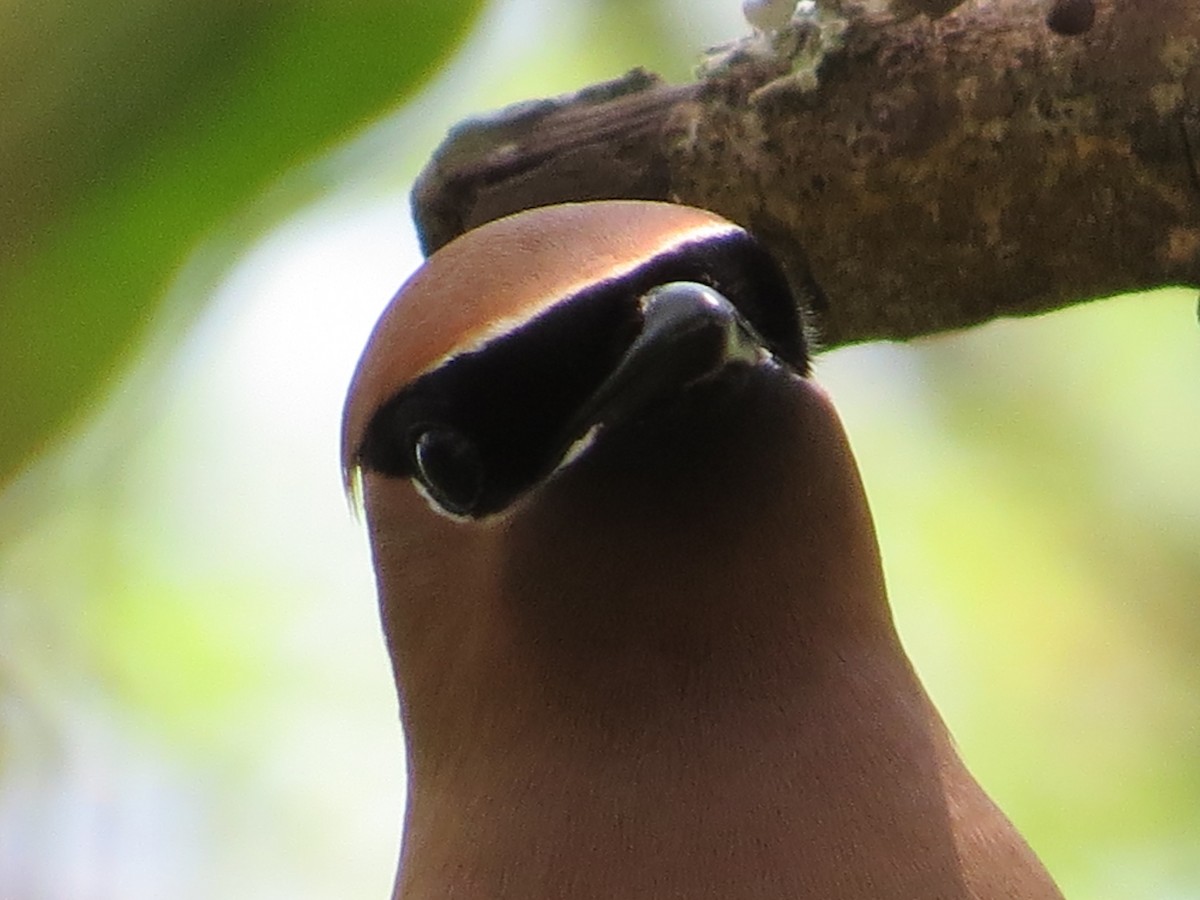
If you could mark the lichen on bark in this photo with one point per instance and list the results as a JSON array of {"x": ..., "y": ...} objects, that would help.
[{"x": 917, "y": 176}]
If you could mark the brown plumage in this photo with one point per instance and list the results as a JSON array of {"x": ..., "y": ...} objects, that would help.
[{"x": 648, "y": 652}]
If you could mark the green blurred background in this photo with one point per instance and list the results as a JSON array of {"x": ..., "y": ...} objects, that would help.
[{"x": 202, "y": 210}]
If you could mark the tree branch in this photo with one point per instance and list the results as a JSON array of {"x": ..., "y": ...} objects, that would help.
[{"x": 913, "y": 176}]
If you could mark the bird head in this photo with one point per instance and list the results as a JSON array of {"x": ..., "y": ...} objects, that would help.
[
  {"x": 589, "y": 429},
  {"x": 522, "y": 340}
]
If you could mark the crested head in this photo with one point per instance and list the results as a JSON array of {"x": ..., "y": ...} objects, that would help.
[{"x": 483, "y": 363}]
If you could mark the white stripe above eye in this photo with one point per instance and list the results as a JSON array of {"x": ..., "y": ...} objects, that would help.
[{"x": 488, "y": 332}]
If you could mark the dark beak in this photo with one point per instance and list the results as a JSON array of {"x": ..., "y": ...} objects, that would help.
[{"x": 690, "y": 333}]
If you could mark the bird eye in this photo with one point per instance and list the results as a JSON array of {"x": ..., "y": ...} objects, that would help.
[{"x": 449, "y": 467}]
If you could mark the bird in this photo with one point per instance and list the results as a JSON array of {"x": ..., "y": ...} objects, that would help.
[{"x": 631, "y": 590}]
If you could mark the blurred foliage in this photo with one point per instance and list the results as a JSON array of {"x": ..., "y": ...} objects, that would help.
[
  {"x": 1037, "y": 498},
  {"x": 129, "y": 131}
]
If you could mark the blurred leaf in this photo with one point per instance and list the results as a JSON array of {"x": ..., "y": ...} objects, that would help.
[{"x": 128, "y": 131}]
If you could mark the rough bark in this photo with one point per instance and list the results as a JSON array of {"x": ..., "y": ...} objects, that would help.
[{"x": 914, "y": 176}]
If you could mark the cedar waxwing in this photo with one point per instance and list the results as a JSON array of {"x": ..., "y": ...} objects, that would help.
[{"x": 631, "y": 589}]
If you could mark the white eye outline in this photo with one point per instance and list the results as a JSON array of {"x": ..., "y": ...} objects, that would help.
[{"x": 426, "y": 466}]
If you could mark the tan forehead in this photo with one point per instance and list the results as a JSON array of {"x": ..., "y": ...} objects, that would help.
[{"x": 506, "y": 272}]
